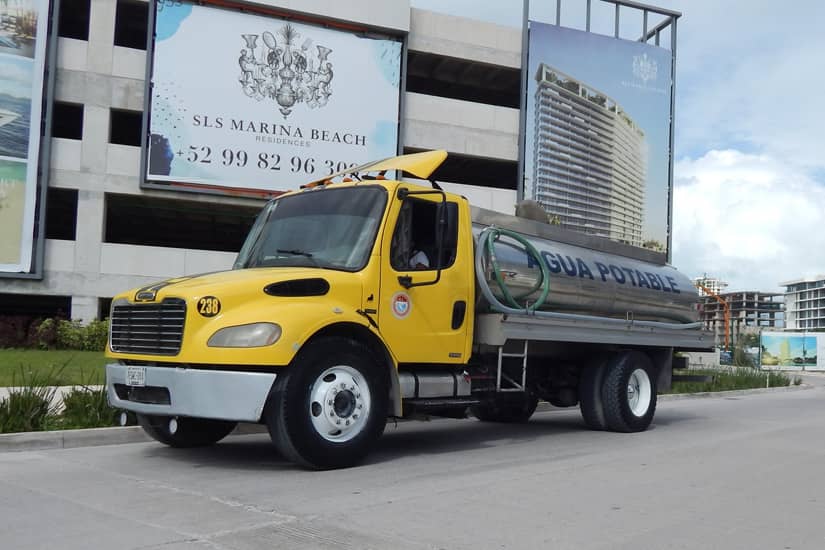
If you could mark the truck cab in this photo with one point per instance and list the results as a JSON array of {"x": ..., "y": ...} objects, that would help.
[{"x": 355, "y": 275}]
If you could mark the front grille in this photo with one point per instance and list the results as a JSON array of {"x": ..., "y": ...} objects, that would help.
[{"x": 152, "y": 329}]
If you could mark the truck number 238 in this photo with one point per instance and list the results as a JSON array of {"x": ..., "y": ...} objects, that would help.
[{"x": 209, "y": 306}]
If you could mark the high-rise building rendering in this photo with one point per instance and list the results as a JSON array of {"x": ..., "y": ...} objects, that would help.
[
  {"x": 590, "y": 159},
  {"x": 805, "y": 303}
]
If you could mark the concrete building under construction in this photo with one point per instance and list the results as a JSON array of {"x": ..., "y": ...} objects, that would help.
[{"x": 750, "y": 311}]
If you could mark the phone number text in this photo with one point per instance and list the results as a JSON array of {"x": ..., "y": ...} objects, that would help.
[{"x": 263, "y": 161}]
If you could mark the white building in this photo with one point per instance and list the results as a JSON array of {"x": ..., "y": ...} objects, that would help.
[
  {"x": 805, "y": 303},
  {"x": 106, "y": 234},
  {"x": 714, "y": 285},
  {"x": 590, "y": 166}
]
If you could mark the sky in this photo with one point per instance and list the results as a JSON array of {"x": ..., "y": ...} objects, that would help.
[{"x": 749, "y": 172}]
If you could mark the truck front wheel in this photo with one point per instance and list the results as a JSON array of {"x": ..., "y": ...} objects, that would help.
[
  {"x": 184, "y": 431},
  {"x": 329, "y": 408},
  {"x": 629, "y": 392}
]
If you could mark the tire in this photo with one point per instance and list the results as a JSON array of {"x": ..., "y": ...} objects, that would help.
[
  {"x": 507, "y": 412},
  {"x": 330, "y": 406},
  {"x": 590, "y": 394},
  {"x": 190, "y": 432},
  {"x": 629, "y": 392}
]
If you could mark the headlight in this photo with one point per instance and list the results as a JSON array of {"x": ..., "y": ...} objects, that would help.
[{"x": 254, "y": 335}]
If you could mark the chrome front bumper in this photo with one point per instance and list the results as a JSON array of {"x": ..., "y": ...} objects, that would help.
[{"x": 169, "y": 391}]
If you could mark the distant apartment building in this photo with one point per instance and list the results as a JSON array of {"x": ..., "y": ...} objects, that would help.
[
  {"x": 590, "y": 159},
  {"x": 805, "y": 303},
  {"x": 712, "y": 284},
  {"x": 750, "y": 311}
]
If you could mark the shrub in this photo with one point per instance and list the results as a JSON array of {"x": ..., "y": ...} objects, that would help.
[
  {"x": 96, "y": 335},
  {"x": 44, "y": 334},
  {"x": 62, "y": 334},
  {"x": 69, "y": 335},
  {"x": 87, "y": 407},
  {"x": 740, "y": 356},
  {"x": 735, "y": 378},
  {"x": 30, "y": 405}
]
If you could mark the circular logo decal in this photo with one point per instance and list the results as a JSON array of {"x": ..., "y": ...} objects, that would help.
[
  {"x": 401, "y": 305},
  {"x": 209, "y": 306}
]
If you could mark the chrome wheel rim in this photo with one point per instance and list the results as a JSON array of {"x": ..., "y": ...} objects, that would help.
[
  {"x": 339, "y": 403},
  {"x": 639, "y": 392}
]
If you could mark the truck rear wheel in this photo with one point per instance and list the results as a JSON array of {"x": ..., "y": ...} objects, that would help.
[
  {"x": 509, "y": 412},
  {"x": 185, "y": 432},
  {"x": 330, "y": 407},
  {"x": 590, "y": 394},
  {"x": 629, "y": 392}
]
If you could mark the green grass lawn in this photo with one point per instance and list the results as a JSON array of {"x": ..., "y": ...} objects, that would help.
[{"x": 69, "y": 366}]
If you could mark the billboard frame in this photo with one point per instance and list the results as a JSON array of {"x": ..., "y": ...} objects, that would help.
[
  {"x": 266, "y": 11},
  {"x": 37, "y": 269},
  {"x": 669, "y": 21}
]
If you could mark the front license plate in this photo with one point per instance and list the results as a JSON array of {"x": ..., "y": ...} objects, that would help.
[{"x": 136, "y": 376}]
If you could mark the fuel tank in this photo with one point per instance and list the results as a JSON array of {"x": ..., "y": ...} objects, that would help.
[{"x": 588, "y": 275}]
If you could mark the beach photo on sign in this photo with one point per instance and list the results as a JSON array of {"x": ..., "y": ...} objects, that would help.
[
  {"x": 789, "y": 350},
  {"x": 12, "y": 202},
  {"x": 18, "y": 27},
  {"x": 15, "y": 106}
]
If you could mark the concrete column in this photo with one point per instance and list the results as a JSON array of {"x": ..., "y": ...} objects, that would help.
[
  {"x": 95, "y": 145},
  {"x": 101, "y": 36},
  {"x": 89, "y": 239},
  {"x": 84, "y": 308}
]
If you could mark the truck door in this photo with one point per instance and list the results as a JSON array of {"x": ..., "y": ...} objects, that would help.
[{"x": 425, "y": 311}]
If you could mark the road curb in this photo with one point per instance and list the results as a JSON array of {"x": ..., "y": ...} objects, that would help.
[
  {"x": 93, "y": 437},
  {"x": 68, "y": 439},
  {"x": 90, "y": 437},
  {"x": 732, "y": 393},
  {"x": 545, "y": 407}
]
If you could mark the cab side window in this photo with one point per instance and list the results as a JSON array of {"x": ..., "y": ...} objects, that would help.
[{"x": 415, "y": 239}]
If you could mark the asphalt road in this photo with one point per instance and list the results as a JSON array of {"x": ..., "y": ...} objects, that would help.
[{"x": 743, "y": 472}]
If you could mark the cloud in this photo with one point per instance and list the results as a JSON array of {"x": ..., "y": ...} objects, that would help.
[
  {"x": 748, "y": 75},
  {"x": 747, "y": 219}
]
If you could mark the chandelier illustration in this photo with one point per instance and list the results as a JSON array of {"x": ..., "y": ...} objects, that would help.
[{"x": 285, "y": 72}]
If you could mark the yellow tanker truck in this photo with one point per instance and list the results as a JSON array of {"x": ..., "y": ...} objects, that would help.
[{"x": 361, "y": 298}]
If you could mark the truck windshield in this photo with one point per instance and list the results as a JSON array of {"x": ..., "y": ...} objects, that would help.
[{"x": 330, "y": 228}]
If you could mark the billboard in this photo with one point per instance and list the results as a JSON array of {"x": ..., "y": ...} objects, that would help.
[
  {"x": 792, "y": 350},
  {"x": 243, "y": 101},
  {"x": 23, "y": 29},
  {"x": 597, "y": 151}
]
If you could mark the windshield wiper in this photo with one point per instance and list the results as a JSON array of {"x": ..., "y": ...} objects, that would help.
[{"x": 294, "y": 252}]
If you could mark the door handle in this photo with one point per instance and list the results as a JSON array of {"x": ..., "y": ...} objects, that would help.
[{"x": 459, "y": 311}]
